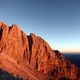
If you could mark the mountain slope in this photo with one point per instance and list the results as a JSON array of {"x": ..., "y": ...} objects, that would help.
[{"x": 30, "y": 57}]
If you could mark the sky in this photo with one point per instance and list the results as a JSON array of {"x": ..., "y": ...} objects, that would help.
[{"x": 56, "y": 21}]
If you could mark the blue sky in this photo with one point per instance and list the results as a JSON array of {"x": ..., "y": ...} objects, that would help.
[{"x": 56, "y": 21}]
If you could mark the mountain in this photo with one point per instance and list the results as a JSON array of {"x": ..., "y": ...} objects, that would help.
[
  {"x": 74, "y": 58},
  {"x": 30, "y": 57}
]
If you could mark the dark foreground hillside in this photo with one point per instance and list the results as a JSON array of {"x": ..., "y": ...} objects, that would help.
[{"x": 6, "y": 76}]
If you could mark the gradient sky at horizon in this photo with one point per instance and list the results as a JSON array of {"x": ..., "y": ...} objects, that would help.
[{"x": 56, "y": 21}]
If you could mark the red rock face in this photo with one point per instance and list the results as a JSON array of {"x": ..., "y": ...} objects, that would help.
[{"x": 30, "y": 57}]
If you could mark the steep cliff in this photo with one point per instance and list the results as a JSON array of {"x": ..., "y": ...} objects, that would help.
[{"x": 30, "y": 57}]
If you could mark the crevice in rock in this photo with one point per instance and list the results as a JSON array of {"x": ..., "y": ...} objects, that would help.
[
  {"x": 10, "y": 28},
  {"x": 22, "y": 37},
  {"x": 22, "y": 40},
  {"x": 24, "y": 55},
  {"x": 30, "y": 41},
  {"x": 37, "y": 64},
  {"x": 1, "y": 31}
]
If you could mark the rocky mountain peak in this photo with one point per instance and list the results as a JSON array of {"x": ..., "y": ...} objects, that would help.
[{"x": 22, "y": 54}]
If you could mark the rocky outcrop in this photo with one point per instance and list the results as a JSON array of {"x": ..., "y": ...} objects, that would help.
[{"x": 33, "y": 56}]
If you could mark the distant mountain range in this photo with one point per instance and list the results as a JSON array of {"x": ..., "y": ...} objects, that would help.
[
  {"x": 74, "y": 58},
  {"x": 29, "y": 57}
]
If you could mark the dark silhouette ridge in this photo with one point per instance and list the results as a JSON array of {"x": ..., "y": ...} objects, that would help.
[{"x": 6, "y": 76}]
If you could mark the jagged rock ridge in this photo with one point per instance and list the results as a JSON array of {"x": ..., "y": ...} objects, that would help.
[{"x": 22, "y": 54}]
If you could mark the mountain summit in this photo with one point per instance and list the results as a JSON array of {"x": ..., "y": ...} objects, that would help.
[{"x": 30, "y": 57}]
